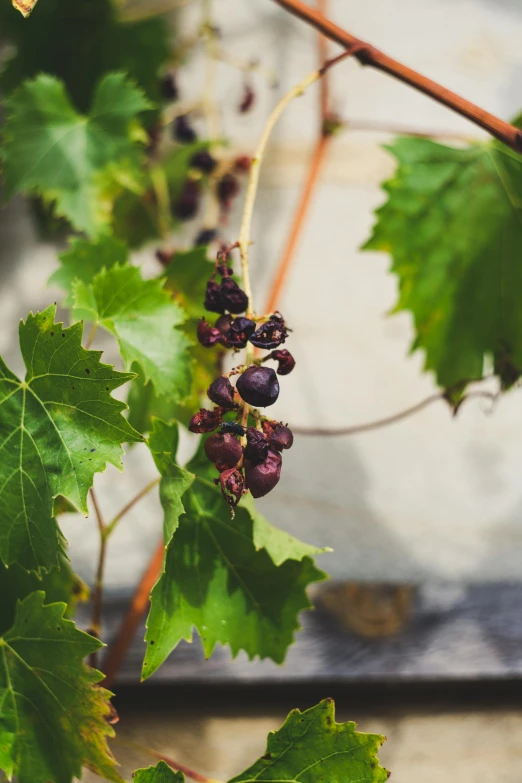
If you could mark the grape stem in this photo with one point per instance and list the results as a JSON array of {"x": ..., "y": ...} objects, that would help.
[
  {"x": 396, "y": 417},
  {"x": 253, "y": 183},
  {"x": 369, "y": 55}
]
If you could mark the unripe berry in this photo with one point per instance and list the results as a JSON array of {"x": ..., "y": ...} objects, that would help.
[{"x": 258, "y": 386}]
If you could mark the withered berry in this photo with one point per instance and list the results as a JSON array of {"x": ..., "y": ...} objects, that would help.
[
  {"x": 232, "y": 486},
  {"x": 208, "y": 335},
  {"x": 213, "y": 299},
  {"x": 183, "y": 131},
  {"x": 169, "y": 88},
  {"x": 256, "y": 449},
  {"x": 233, "y": 297},
  {"x": 263, "y": 477},
  {"x": 271, "y": 334},
  {"x": 203, "y": 161},
  {"x": 223, "y": 450},
  {"x": 285, "y": 359},
  {"x": 205, "y": 421},
  {"x": 238, "y": 332},
  {"x": 205, "y": 237},
  {"x": 221, "y": 392},
  {"x": 187, "y": 203},
  {"x": 248, "y": 99},
  {"x": 281, "y": 438},
  {"x": 226, "y": 189},
  {"x": 258, "y": 386}
]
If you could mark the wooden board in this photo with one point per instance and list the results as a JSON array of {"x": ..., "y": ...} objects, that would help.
[{"x": 367, "y": 633}]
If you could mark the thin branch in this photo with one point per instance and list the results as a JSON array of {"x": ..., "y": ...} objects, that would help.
[
  {"x": 91, "y": 336},
  {"x": 369, "y": 55},
  {"x": 118, "y": 648},
  {"x": 396, "y": 417},
  {"x": 190, "y": 773},
  {"x": 145, "y": 491},
  {"x": 316, "y": 163},
  {"x": 253, "y": 183},
  {"x": 97, "y": 600},
  {"x": 373, "y": 126}
]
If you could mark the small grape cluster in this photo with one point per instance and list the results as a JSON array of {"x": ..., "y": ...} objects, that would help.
[{"x": 247, "y": 449}]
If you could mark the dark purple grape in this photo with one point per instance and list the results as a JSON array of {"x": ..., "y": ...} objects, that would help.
[
  {"x": 224, "y": 323},
  {"x": 248, "y": 99},
  {"x": 169, "y": 88},
  {"x": 205, "y": 421},
  {"x": 258, "y": 386},
  {"x": 271, "y": 334},
  {"x": 205, "y": 237},
  {"x": 203, "y": 161},
  {"x": 281, "y": 438},
  {"x": 221, "y": 392},
  {"x": 226, "y": 189},
  {"x": 208, "y": 335},
  {"x": 223, "y": 449},
  {"x": 268, "y": 427},
  {"x": 263, "y": 477},
  {"x": 256, "y": 449},
  {"x": 213, "y": 299},
  {"x": 239, "y": 331},
  {"x": 188, "y": 200},
  {"x": 183, "y": 131},
  {"x": 232, "y": 486},
  {"x": 232, "y": 296},
  {"x": 285, "y": 359}
]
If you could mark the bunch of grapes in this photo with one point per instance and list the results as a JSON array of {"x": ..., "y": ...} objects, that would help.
[{"x": 247, "y": 446}]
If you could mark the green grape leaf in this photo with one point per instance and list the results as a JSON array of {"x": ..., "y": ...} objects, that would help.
[
  {"x": 214, "y": 578},
  {"x": 84, "y": 259},
  {"x": 26, "y": 7},
  {"x": 186, "y": 277},
  {"x": 144, "y": 319},
  {"x": 310, "y": 747},
  {"x": 79, "y": 42},
  {"x": 161, "y": 773},
  {"x": 60, "y": 584},
  {"x": 58, "y": 428},
  {"x": 457, "y": 257},
  {"x": 54, "y": 718},
  {"x": 144, "y": 404},
  {"x": 79, "y": 162}
]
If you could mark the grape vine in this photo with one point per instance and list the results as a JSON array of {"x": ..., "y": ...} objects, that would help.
[{"x": 113, "y": 158}]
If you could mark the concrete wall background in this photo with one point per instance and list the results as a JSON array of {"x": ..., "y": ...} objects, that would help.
[{"x": 432, "y": 497}]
